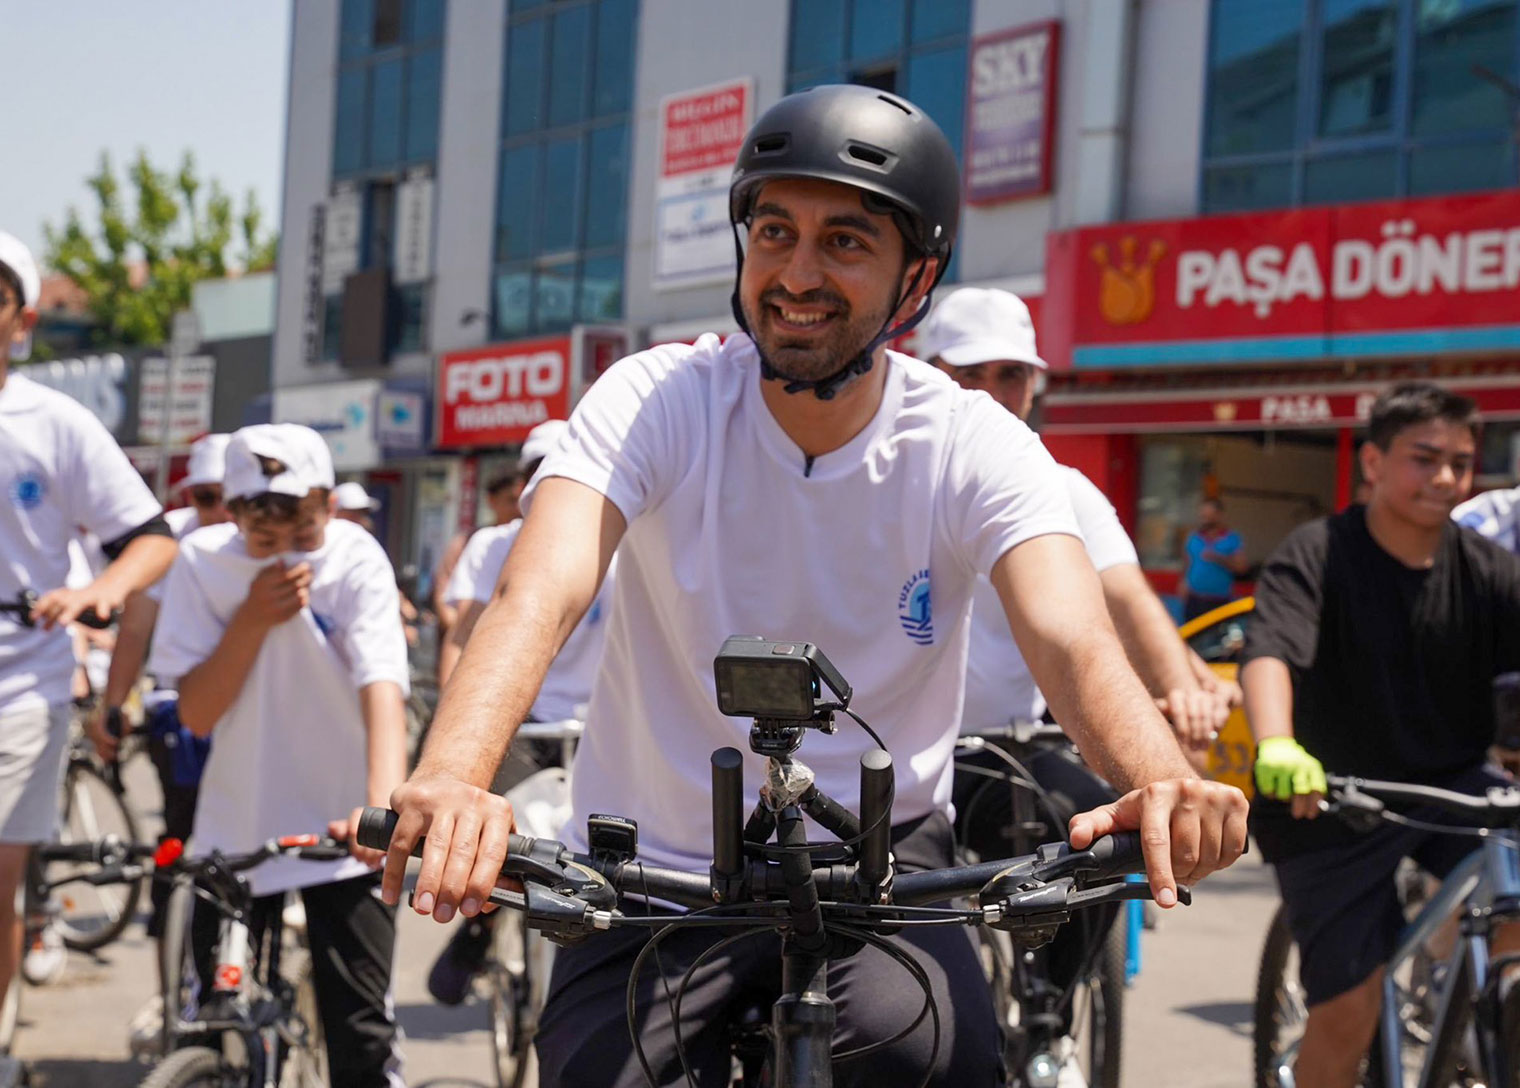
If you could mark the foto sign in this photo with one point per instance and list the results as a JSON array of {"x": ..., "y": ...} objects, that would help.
[
  {"x": 1387, "y": 278},
  {"x": 1010, "y": 112},
  {"x": 701, "y": 133},
  {"x": 495, "y": 395}
]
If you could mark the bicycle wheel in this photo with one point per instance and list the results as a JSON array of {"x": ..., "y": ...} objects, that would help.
[
  {"x": 197, "y": 1066},
  {"x": 509, "y": 998},
  {"x": 91, "y": 916},
  {"x": 1098, "y": 1015},
  {"x": 305, "y": 1064},
  {"x": 1280, "y": 1008},
  {"x": 174, "y": 968},
  {"x": 10, "y": 1012}
]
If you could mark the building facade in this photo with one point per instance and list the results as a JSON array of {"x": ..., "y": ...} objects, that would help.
[{"x": 487, "y": 202}]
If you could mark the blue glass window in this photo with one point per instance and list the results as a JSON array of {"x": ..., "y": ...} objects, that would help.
[
  {"x": 348, "y": 123},
  {"x": 607, "y": 187},
  {"x": 567, "y": 65},
  {"x": 423, "y": 86},
  {"x": 525, "y": 77},
  {"x": 517, "y": 203},
  {"x": 876, "y": 29},
  {"x": 563, "y": 198},
  {"x": 817, "y": 34},
  {"x": 424, "y": 19},
  {"x": 937, "y": 85},
  {"x": 934, "y": 19},
  {"x": 385, "y": 114},
  {"x": 355, "y": 25},
  {"x": 1311, "y": 101},
  {"x": 559, "y": 221}
]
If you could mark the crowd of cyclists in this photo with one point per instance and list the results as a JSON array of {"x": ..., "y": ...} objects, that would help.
[{"x": 797, "y": 479}]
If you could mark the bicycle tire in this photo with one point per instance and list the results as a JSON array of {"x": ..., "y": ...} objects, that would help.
[
  {"x": 1106, "y": 1032},
  {"x": 173, "y": 945},
  {"x": 92, "y": 808},
  {"x": 10, "y": 1014},
  {"x": 1274, "y": 1001},
  {"x": 188, "y": 1068},
  {"x": 509, "y": 992},
  {"x": 305, "y": 1066}
]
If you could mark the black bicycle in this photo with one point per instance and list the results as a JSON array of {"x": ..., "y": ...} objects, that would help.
[
  {"x": 26, "y": 600},
  {"x": 826, "y": 900},
  {"x": 1061, "y": 1003}
]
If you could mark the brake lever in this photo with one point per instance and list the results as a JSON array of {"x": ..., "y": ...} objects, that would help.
[{"x": 1122, "y": 893}]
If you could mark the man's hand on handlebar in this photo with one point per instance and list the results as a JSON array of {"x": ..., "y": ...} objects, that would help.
[
  {"x": 1189, "y": 828},
  {"x": 61, "y": 607},
  {"x": 465, "y": 831}
]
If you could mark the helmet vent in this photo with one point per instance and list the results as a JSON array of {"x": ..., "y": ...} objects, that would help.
[
  {"x": 895, "y": 102},
  {"x": 865, "y": 155},
  {"x": 771, "y": 145}
]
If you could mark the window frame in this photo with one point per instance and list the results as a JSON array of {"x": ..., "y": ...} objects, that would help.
[
  {"x": 568, "y": 261},
  {"x": 1309, "y": 146}
]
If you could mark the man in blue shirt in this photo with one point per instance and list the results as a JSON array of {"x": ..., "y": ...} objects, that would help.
[{"x": 1213, "y": 561}]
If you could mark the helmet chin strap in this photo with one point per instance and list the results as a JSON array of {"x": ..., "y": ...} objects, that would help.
[{"x": 827, "y": 388}]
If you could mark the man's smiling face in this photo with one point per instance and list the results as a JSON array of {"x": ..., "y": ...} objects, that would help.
[{"x": 820, "y": 275}]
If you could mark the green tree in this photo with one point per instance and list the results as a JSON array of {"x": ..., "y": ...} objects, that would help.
[{"x": 151, "y": 244}]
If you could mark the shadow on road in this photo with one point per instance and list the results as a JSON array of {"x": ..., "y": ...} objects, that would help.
[
  {"x": 84, "y": 1073},
  {"x": 427, "y": 1020},
  {"x": 1234, "y": 1015}
]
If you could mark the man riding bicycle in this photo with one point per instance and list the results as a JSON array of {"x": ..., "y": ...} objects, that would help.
[
  {"x": 1377, "y": 635},
  {"x": 60, "y": 472},
  {"x": 795, "y": 481}
]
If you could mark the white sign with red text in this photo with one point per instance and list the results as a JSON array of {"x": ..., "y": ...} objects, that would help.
[{"x": 701, "y": 133}]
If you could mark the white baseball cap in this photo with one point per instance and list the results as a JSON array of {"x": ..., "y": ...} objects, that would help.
[
  {"x": 542, "y": 441},
  {"x": 979, "y": 325},
  {"x": 208, "y": 460},
  {"x": 352, "y": 496},
  {"x": 307, "y": 460},
  {"x": 15, "y": 256}
]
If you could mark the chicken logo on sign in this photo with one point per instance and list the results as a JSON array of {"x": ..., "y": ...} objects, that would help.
[{"x": 1127, "y": 287}]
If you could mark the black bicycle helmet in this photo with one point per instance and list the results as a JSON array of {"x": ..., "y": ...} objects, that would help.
[{"x": 870, "y": 140}]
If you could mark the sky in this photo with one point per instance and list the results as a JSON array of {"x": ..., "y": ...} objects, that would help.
[{"x": 165, "y": 75}]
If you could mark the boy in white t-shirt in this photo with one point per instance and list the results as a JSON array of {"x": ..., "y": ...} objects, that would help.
[
  {"x": 283, "y": 632},
  {"x": 60, "y": 472}
]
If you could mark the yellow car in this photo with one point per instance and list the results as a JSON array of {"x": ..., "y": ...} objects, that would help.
[{"x": 1218, "y": 637}]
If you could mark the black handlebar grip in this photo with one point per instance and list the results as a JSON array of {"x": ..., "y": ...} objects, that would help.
[
  {"x": 1119, "y": 853},
  {"x": 90, "y": 618},
  {"x": 875, "y": 815},
  {"x": 728, "y": 812},
  {"x": 377, "y": 825}
]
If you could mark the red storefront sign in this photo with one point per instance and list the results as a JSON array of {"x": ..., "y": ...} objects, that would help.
[
  {"x": 1250, "y": 410},
  {"x": 704, "y": 130},
  {"x": 1351, "y": 281},
  {"x": 495, "y": 395}
]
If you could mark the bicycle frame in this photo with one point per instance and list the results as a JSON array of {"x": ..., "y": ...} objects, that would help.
[{"x": 1487, "y": 879}]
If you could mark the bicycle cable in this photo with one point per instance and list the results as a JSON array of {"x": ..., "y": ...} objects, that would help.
[{"x": 916, "y": 970}]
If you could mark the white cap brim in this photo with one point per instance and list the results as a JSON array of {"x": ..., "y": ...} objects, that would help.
[{"x": 976, "y": 352}]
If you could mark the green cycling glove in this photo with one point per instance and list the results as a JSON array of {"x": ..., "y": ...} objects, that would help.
[{"x": 1284, "y": 769}]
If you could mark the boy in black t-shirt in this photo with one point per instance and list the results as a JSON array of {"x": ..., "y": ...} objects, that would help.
[{"x": 1377, "y": 636}]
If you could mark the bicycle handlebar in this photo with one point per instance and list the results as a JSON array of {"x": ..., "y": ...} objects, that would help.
[
  {"x": 1499, "y": 806},
  {"x": 26, "y": 601}
]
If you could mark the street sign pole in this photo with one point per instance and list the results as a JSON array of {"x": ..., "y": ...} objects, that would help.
[{"x": 184, "y": 339}]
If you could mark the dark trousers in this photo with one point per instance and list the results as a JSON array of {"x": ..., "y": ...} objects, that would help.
[
  {"x": 179, "y": 819},
  {"x": 583, "y": 1039},
  {"x": 1196, "y": 604},
  {"x": 352, "y": 936}
]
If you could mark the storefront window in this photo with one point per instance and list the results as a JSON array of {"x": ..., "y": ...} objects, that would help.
[
  {"x": 1328, "y": 100},
  {"x": 563, "y": 187}
]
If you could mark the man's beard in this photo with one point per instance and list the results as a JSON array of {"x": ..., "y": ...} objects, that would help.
[{"x": 813, "y": 358}]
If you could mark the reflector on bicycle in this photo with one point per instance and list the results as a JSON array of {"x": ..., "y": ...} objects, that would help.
[
  {"x": 289, "y": 841},
  {"x": 169, "y": 851}
]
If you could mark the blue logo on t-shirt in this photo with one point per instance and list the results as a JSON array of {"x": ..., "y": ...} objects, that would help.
[
  {"x": 324, "y": 623},
  {"x": 28, "y": 490},
  {"x": 915, "y": 609}
]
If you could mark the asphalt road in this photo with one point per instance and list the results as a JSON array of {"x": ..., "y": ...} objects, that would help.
[{"x": 1187, "y": 1016}]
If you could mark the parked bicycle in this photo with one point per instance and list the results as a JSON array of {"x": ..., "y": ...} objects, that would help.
[
  {"x": 1051, "y": 1014},
  {"x": 257, "y": 1024},
  {"x": 1443, "y": 1023},
  {"x": 827, "y": 900}
]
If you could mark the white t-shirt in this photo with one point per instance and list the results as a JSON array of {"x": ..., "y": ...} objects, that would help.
[
  {"x": 1493, "y": 514},
  {"x": 290, "y": 754},
  {"x": 60, "y": 471},
  {"x": 567, "y": 686},
  {"x": 182, "y": 521},
  {"x": 999, "y": 686},
  {"x": 731, "y": 532}
]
